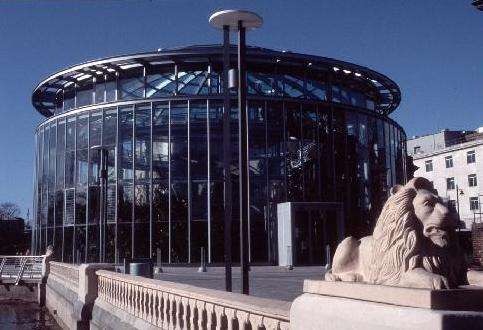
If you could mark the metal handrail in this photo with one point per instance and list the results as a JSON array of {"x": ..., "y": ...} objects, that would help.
[{"x": 15, "y": 269}]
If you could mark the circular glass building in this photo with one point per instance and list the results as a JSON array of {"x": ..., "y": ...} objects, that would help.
[{"x": 319, "y": 137}]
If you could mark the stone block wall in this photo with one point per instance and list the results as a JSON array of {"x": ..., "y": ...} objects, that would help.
[{"x": 477, "y": 238}]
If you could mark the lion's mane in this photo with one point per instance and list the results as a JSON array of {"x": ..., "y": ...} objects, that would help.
[
  {"x": 395, "y": 239},
  {"x": 397, "y": 244}
]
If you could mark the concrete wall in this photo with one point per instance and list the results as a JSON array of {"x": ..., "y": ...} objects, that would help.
[{"x": 61, "y": 301}]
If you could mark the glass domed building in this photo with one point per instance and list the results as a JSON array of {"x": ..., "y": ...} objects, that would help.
[{"x": 319, "y": 132}]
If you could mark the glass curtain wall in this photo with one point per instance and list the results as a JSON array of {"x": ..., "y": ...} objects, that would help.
[{"x": 165, "y": 175}]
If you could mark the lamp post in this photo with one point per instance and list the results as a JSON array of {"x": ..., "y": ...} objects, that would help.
[
  {"x": 458, "y": 204},
  {"x": 103, "y": 151},
  {"x": 239, "y": 21}
]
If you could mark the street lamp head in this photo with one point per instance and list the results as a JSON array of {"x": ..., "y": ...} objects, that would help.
[{"x": 230, "y": 18}]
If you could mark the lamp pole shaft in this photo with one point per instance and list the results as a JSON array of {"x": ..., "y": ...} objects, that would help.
[
  {"x": 227, "y": 159},
  {"x": 243, "y": 159}
]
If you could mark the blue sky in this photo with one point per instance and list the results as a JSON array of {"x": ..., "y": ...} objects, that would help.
[{"x": 433, "y": 49}]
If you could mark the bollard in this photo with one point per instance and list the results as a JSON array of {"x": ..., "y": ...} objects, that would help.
[
  {"x": 289, "y": 258},
  {"x": 327, "y": 257},
  {"x": 202, "y": 268},
  {"x": 158, "y": 269}
]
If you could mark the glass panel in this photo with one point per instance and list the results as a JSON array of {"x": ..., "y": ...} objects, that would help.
[
  {"x": 84, "y": 93},
  {"x": 293, "y": 159},
  {"x": 68, "y": 245},
  {"x": 125, "y": 149},
  {"x": 80, "y": 244},
  {"x": 142, "y": 141},
  {"x": 70, "y": 134},
  {"x": 141, "y": 203},
  {"x": 179, "y": 140},
  {"x": 111, "y": 86},
  {"x": 80, "y": 206},
  {"x": 179, "y": 222},
  {"x": 198, "y": 140},
  {"x": 69, "y": 97},
  {"x": 160, "y": 140},
  {"x": 100, "y": 90},
  {"x": 191, "y": 82},
  {"x": 125, "y": 202},
  {"x": 131, "y": 84},
  {"x": 124, "y": 240},
  {"x": 141, "y": 240},
  {"x": 92, "y": 243},
  {"x": 160, "y": 83},
  {"x": 110, "y": 127},
  {"x": 60, "y": 154}
]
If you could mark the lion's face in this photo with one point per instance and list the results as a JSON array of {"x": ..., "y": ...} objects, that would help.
[{"x": 438, "y": 221}]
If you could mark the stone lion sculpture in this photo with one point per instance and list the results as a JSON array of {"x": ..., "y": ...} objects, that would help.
[{"x": 413, "y": 244}]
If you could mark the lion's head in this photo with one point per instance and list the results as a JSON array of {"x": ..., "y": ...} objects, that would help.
[{"x": 415, "y": 229}]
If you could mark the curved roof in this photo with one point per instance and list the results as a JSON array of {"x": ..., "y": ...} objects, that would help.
[{"x": 388, "y": 92}]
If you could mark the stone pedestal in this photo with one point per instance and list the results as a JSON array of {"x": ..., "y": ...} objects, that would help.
[{"x": 342, "y": 305}]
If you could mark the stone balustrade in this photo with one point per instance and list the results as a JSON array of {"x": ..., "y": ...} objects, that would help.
[
  {"x": 168, "y": 305},
  {"x": 67, "y": 273}
]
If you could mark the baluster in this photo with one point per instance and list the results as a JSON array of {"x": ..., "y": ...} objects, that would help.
[
  {"x": 150, "y": 307},
  {"x": 200, "y": 307},
  {"x": 165, "y": 310},
  {"x": 242, "y": 318},
  {"x": 256, "y": 321},
  {"x": 177, "y": 302},
  {"x": 209, "y": 315},
  {"x": 143, "y": 303},
  {"x": 219, "y": 313},
  {"x": 173, "y": 312},
  {"x": 192, "y": 306},
  {"x": 184, "y": 302},
  {"x": 159, "y": 319},
  {"x": 230, "y": 317}
]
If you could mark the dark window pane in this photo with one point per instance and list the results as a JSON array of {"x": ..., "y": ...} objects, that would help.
[
  {"x": 67, "y": 255},
  {"x": 198, "y": 140},
  {"x": 84, "y": 93},
  {"x": 160, "y": 202},
  {"x": 110, "y": 127},
  {"x": 179, "y": 222},
  {"x": 82, "y": 131},
  {"x": 92, "y": 243},
  {"x": 125, "y": 149},
  {"x": 80, "y": 244},
  {"x": 80, "y": 206},
  {"x": 141, "y": 203},
  {"x": 142, "y": 141},
  {"x": 160, "y": 140},
  {"x": 131, "y": 84},
  {"x": 111, "y": 89},
  {"x": 125, "y": 202},
  {"x": 70, "y": 134},
  {"x": 95, "y": 129},
  {"x": 141, "y": 240},
  {"x": 124, "y": 239},
  {"x": 179, "y": 140}
]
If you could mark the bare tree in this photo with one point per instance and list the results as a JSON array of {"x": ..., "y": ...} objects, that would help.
[{"x": 9, "y": 210}]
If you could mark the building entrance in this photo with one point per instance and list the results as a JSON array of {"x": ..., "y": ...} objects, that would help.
[{"x": 305, "y": 229}]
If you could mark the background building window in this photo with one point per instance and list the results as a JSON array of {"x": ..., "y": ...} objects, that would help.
[
  {"x": 450, "y": 183},
  {"x": 429, "y": 165},
  {"x": 472, "y": 180},
  {"x": 449, "y": 161},
  {"x": 474, "y": 205},
  {"x": 470, "y": 157}
]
